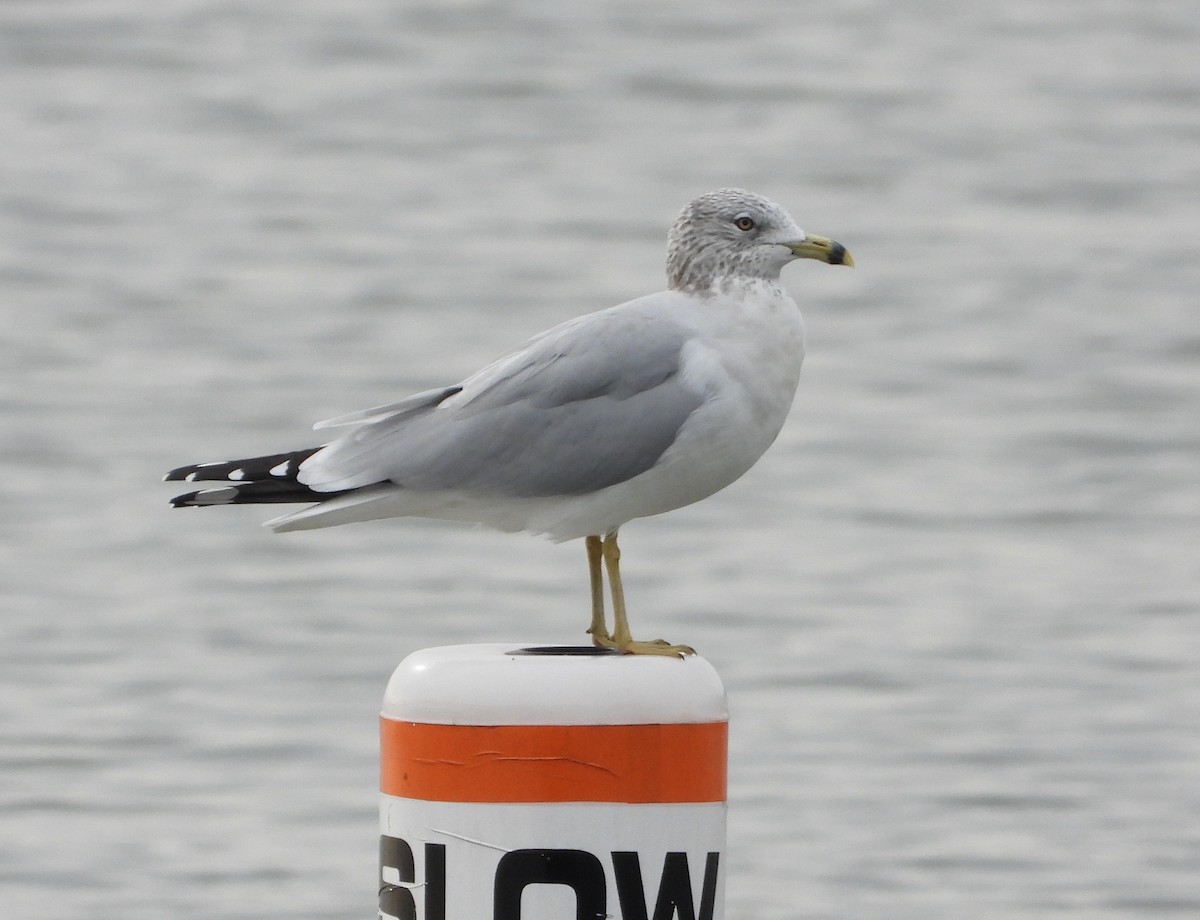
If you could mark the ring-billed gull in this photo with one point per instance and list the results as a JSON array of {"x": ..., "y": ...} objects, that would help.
[{"x": 632, "y": 411}]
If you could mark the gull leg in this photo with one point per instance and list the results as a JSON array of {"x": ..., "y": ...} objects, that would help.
[
  {"x": 598, "y": 630},
  {"x": 621, "y": 639}
]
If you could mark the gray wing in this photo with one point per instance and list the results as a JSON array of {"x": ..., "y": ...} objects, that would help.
[{"x": 586, "y": 405}]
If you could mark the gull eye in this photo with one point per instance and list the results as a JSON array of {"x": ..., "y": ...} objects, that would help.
[{"x": 744, "y": 223}]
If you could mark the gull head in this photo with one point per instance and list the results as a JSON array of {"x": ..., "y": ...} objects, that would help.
[{"x": 733, "y": 235}]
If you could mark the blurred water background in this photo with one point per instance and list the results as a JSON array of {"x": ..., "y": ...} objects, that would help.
[{"x": 956, "y": 606}]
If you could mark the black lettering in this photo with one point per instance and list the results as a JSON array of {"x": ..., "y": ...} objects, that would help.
[
  {"x": 674, "y": 898},
  {"x": 435, "y": 881},
  {"x": 708, "y": 893},
  {"x": 397, "y": 900},
  {"x": 577, "y": 869},
  {"x": 631, "y": 893}
]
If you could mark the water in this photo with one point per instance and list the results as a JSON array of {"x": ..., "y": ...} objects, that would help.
[{"x": 955, "y": 606}]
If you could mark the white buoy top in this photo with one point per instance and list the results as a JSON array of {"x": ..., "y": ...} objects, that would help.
[{"x": 519, "y": 684}]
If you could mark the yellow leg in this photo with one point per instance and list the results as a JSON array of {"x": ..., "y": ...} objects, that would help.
[
  {"x": 621, "y": 639},
  {"x": 598, "y": 629}
]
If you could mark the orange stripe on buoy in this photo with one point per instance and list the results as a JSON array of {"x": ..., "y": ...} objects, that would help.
[{"x": 681, "y": 762}]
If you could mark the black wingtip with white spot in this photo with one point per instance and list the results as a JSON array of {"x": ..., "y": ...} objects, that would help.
[
  {"x": 251, "y": 493},
  {"x": 253, "y": 469},
  {"x": 255, "y": 480},
  {"x": 223, "y": 496}
]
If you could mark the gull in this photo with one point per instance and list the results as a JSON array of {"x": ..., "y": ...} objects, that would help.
[{"x": 632, "y": 411}]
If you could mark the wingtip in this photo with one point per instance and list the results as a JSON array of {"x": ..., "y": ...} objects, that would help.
[{"x": 204, "y": 497}]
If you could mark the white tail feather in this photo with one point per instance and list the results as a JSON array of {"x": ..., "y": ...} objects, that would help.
[{"x": 370, "y": 504}]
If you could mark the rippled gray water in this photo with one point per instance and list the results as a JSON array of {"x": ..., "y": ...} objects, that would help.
[{"x": 955, "y": 606}]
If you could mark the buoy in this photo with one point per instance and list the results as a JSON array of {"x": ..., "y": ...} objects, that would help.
[{"x": 545, "y": 783}]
